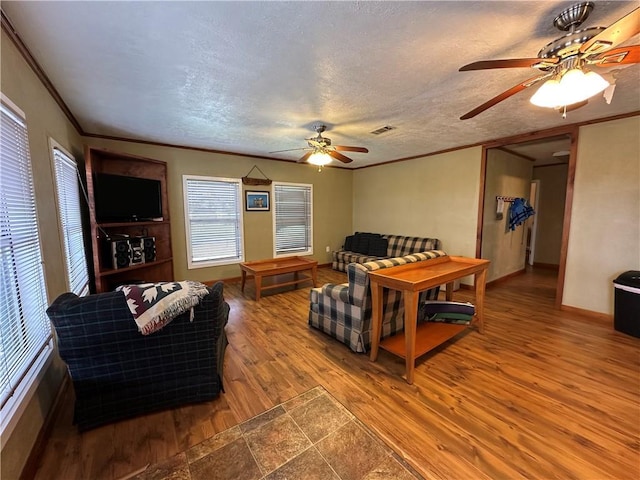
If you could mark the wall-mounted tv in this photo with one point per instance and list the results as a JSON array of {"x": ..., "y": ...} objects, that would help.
[{"x": 127, "y": 199}]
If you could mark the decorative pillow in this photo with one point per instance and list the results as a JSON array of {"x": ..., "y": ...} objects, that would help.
[
  {"x": 348, "y": 243},
  {"x": 361, "y": 243},
  {"x": 378, "y": 246}
]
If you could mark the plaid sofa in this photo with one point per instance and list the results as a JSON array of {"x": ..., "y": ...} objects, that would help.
[
  {"x": 118, "y": 373},
  {"x": 397, "y": 247},
  {"x": 344, "y": 311}
]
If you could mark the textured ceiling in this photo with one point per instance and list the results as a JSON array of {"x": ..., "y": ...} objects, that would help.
[{"x": 254, "y": 77}]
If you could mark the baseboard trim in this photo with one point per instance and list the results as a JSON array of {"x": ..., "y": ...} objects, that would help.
[
  {"x": 601, "y": 317},
  {"x": 31, "y": 465},
  {"x": 505, "y": 278}
]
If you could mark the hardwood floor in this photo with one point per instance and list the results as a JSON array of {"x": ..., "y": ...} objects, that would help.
[{"x": 542, "y": 394}]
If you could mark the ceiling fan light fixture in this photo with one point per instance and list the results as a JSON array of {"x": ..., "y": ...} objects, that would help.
[
  {"x": 548, "y": 95},
  {"x": 319, "y": 159},
  {"x": 575, "y": 86}
]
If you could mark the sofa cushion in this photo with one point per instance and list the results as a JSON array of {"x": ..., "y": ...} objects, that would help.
[
  {"x": 348, "y": 243},
  {"x": 360, "y": 243},
  {"x": 378, "y": 246}
]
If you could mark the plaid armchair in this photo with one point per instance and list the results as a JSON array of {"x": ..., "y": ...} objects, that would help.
[
  {"x": 344, "y": 311},
  {"x": 118, "y": 373}
]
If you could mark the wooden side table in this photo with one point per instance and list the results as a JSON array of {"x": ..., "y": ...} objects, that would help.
[{"x": 412, "y": 279}]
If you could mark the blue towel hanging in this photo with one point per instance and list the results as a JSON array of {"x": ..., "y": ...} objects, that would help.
[{"x": 520, "y": 210}]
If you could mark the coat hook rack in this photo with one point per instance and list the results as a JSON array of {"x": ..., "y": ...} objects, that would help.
[{"x": 505, "y": 199}]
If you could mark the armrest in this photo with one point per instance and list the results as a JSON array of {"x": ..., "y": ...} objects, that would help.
[{"x": 339, "y": 292}]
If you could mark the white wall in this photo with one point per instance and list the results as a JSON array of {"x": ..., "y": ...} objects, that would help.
[
  {"x": 506, "y": 175},
  {"x": 434, "y": 196},
  {"x": 604, "y": 238},
  {"x": 550, "y": 214}
]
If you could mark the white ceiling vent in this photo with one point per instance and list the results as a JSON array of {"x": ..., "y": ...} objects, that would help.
[{"x": 384, "y": 129}]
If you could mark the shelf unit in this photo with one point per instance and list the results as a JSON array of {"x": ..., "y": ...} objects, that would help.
[{"x": 106, "y": 277}]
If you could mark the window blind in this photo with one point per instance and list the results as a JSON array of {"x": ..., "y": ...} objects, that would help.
[
  {"x": 69, "y": 209},
  {"x": 293, "y": 219},
  {"x": 213, "y": 217},
  {"x": 24, "y": 327}
]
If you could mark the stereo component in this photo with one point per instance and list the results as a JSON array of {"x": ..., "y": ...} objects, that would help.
[
  {"x": 127, "y": 251},
  {"x": 120, "y": 253}
]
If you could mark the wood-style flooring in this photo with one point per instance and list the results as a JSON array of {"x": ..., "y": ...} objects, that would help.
[{"x": 542, "y": 394}]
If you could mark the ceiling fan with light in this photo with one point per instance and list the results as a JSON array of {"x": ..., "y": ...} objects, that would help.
[
  {"x": 566, "y": 61},
  {"x": 320, "y": 152}
]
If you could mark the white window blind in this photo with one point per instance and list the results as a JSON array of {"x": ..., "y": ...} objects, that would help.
[
  {"x": 69, "y": 209},
  {"x": 213, "y": 217},
  {"x": 25, "y": 330},
  {"x": 293, "y": 219}
]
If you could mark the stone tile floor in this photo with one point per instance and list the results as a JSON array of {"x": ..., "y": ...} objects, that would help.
[{"x": 309, "y": 437}]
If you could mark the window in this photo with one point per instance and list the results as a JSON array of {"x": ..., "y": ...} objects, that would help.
[
  {"x": 25, "y": 331},
  {"x": 67, "y": 186},
  {"x": 292, "y": 219},
  {"x": 213, "y": 220}
]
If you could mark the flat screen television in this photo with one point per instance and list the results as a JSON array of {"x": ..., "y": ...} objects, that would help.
[{"x": 127, "y": 199}]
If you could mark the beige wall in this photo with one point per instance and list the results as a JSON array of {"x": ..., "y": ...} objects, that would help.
[
  {"x": 550, "y": 213},
  {"x": 434, "y": 196},
  {"x": 604, "y": 238},
  {"x": 507, "y": 175},
  {"x": 44, "y": 120},
  {"x": 332, "y": 201}
]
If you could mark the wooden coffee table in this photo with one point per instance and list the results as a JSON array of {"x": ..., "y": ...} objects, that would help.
[{"x": 278, "y": 266}]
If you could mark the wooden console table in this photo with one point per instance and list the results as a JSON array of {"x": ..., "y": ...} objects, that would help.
[
  {"x": 278, "y": 266},
  {"x": 412, "y": 279}
]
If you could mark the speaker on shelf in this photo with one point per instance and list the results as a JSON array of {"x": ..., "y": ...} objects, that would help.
[
  {"x": 137, "y": 250},
  {"x": 149, "y": 246},
  {"x": 120, "y": 253}
]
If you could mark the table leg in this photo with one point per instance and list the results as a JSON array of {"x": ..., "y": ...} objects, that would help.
[
  {"x": 314, "y": 271},
  {"x": 258, "y": 279},
  {"x": 376, "y": 318},
  {"x": 449, "y": 294},
  {"x": 244, "y": 279},
  {"x": 410, "y": 326},
  {"x": 480, "y": 282}
]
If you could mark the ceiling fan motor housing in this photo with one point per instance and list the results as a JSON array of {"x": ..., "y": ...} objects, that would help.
[{"x": 573, "y": 16}]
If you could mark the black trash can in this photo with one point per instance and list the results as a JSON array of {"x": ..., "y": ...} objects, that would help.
[{"x": 626, "y": 314}]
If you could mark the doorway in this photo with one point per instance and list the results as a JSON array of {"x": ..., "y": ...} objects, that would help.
[{"x": 538, "y": 168}]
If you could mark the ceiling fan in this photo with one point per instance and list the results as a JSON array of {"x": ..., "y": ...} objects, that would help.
[
  {"x": 565, "y": 61},
  {"x": 320, "y": 151}
]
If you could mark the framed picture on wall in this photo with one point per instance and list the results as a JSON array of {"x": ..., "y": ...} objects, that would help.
[{"x": 257, "y": 201}]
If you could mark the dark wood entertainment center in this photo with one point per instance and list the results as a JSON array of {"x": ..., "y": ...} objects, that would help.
[{"x": 161, "y": 269}]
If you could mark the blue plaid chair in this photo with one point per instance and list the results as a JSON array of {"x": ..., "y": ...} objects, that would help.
[
  {"x": 118, "y": 373},
  {"x": 344, "y": 310}
]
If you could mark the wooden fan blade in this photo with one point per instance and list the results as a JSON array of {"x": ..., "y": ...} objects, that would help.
[
  {"x": 617, "y": 56},
  {"x": 616, "y": 33},
  {"x": 305, "y": 157},
  {"x": 339, "y": 156},
  {"x": 510, "y": 63},
  {"x": 503, "y": 96},
  {"x": 342, "y": 148}
]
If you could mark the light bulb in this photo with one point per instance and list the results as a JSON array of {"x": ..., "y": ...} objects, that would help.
[
  {"x": 548, "y": 95},
  {"x": 319, "y": 158}
]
